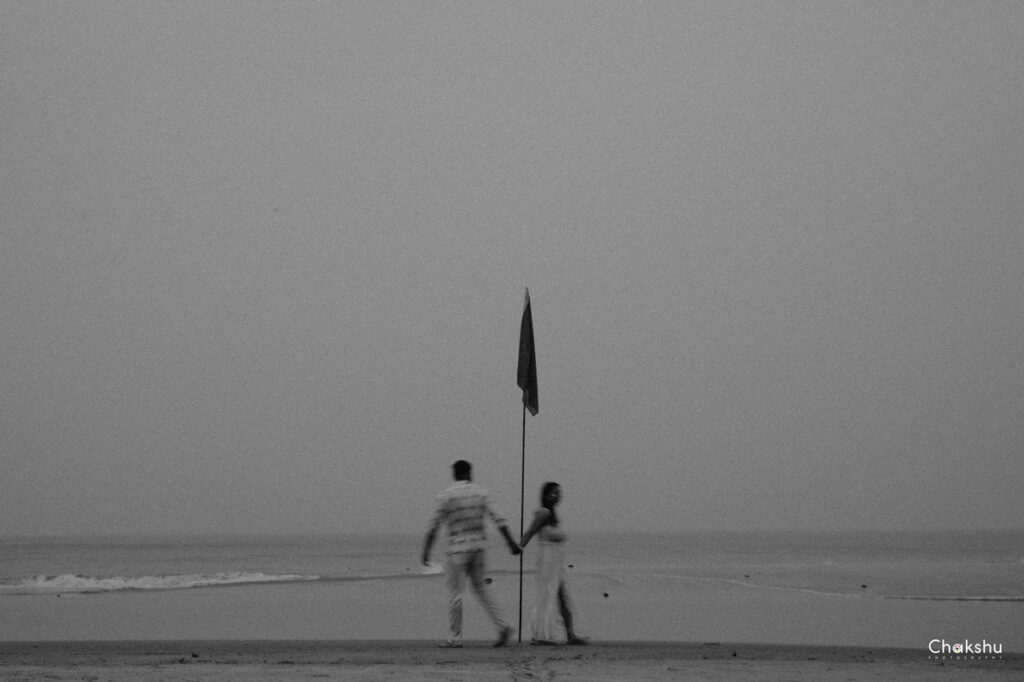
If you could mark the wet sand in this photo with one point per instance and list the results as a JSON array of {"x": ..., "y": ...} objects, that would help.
[{"x": 218, "y": 661}]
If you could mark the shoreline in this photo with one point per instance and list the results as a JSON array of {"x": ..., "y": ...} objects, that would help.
[{"x": 228, "y": 660}]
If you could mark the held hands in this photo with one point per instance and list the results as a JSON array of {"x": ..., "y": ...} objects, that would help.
[{"x": 513, "y": 546}]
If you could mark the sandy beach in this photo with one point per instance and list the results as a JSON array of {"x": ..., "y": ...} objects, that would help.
[
  {"x": 647, "y": 622},
  {"x": 223, "y": 661}
]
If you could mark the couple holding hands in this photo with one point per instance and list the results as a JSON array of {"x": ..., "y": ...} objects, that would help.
[{"x": 462, "y": 509}]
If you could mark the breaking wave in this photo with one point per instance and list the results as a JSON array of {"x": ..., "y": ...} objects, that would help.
[{"x": 80, "y": 584}]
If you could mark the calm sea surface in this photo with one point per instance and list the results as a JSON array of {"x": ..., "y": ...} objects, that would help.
[
  {"x": 969, "y": 577},
  {"x": 962, "y": 565}
]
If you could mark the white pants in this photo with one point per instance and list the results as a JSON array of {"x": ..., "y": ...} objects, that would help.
[
  {"x": 470, "y": 565},
  {"x": 553, "y": 603}
]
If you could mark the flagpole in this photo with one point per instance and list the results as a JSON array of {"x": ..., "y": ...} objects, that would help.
[
  {"x": 526, "y": 379},
  {"x": 522, "y": 512}
]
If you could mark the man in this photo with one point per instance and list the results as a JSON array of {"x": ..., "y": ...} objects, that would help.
[{"x": 461, "y": 509}]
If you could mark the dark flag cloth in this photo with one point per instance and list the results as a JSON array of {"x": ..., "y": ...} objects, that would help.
[{"x": 527, "y": 378}]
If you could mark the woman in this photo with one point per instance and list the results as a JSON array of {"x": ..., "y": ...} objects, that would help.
[{"x": 552, "y": 591}]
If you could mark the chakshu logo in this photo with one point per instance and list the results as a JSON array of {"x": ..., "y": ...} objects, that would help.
[{"x": 942, "y": 649}]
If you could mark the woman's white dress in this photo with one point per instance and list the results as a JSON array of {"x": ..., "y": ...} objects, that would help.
[{"x": 550, "y": 575}]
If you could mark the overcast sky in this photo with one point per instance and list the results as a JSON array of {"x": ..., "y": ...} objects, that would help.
[{"x": 263, "y": 264}]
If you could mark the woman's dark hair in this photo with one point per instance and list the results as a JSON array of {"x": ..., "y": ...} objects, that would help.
[{"x": 544, "y": 490}]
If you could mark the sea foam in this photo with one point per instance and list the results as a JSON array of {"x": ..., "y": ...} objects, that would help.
[{"x": 80, "y": 584}]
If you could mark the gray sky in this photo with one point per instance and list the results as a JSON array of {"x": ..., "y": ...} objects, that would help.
[{"x": 263, "y": 264}]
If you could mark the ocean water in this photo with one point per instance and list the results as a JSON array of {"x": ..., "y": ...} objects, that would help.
[{"x": 850, "y": 588}]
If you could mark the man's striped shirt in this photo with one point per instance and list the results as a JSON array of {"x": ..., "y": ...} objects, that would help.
[{"x": 461, "y": 509}]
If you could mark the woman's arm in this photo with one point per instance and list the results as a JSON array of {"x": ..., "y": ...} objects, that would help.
[{"x": 540, "y": 519}]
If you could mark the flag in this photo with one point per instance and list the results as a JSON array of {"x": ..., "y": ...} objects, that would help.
[{"x": 527, "y": 378}]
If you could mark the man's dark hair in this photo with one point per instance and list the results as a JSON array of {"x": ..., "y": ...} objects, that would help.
[{"x": 462, "y": 470}]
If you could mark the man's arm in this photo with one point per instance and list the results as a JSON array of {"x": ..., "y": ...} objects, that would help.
[
  {"x": 499, "y": 521},
  {"x": 428, "y": 542},
  {"x": 435, "y": 522}
]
